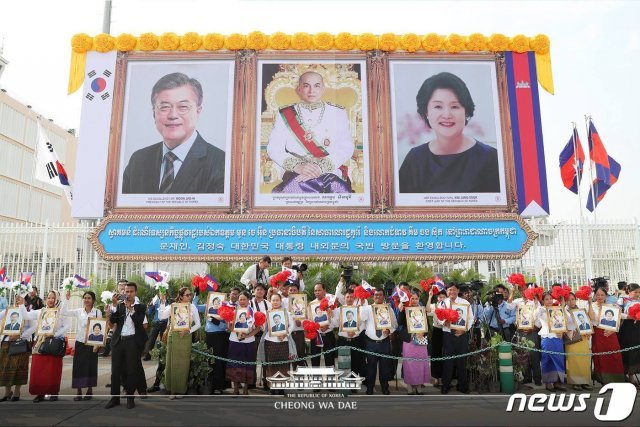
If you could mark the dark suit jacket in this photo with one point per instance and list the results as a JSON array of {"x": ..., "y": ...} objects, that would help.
[
  {"x": 12, "y": 327},
  {"x": 201, "y": 172},
  {"x": 278, "y": 328},
  {"x": 118, "y": 319},
  {"x": 349, "y": 324}
]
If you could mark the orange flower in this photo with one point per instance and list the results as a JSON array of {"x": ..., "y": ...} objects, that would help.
[
  {"x": 388, "y": 42},
  {"x": 301, "y": 41},
  {"x": 279, "y": 41},
  {"x": 432, "y": 42},
  {"x": 323, "y": 41},
  {"x": 410, "y": 42},
  {"x": 498, "y": 42},
  {"x": 81, "y": 43},
  {"x": 257, "y": 40},
  {"x": 126, "y": 42},
  {"x": 148, "y": 42},
  {"x": 169, "y": 41},
  {"x": 104, "y": 42},
  {"x": 345, "y": 41},
  {"x": 213, "y": 41},
  {"x": 455, "y": 43},
  {"x": 367, "y": 41},
  {"x": 190, "y": 41},
  {"x": 477, "y": 42},
  {"x": 540, "y": 44},
  {"x": 235, "y": 41},
  {"x": 519, "y": 44}
]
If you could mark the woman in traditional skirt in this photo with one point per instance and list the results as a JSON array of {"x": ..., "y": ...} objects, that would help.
[
  {"x": 630, "y": 335},
  {"x": 242, "y": 349},
  {"x": 414, "y": 373},
  {"x": 46, "y": 369},
  {"x": 178, "y": 360},
  {"x": 579, "y": 367},
  {"x": 85, "y": 357},
  {"x": 437, "y": 339},
  {"x": 276, "y": 345},
  {"x": 552, "y": 365},
  {"x": 14, "y": 370},
  {"x": 606, "y": 368}
]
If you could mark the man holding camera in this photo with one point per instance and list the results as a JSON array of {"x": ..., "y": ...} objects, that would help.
[
  {"x": 500, "y": 317},
  {"x": 296, "y": 277},
  {"x": 257, "y": 273}
]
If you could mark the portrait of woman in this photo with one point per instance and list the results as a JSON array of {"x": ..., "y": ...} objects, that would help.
[
  {"x": 215, "y": 305},
  {"x": 319, "y": 315},
  {"x": 241, "y": 322},
  {"x": 96, "y": 334}
]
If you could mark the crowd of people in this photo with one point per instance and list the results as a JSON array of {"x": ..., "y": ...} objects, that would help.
[{"x": 381, "y": 324}]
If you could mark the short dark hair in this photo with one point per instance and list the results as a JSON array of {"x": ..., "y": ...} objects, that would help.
[
  {"x": 444, "y": 80},
  {"x": 98, "y": 325},
  {"x": 236, "y": 288},
  {"x": 266, "y": 258},
  {"x": 122, "y": 281},
  {"x": 453, "y": 285},
  {"x": 608, "y": 312},
  {"x": 246, "y": 294},
  {"x": 260, "y": 285},
  {"x": 285, "y": 259},
  {"x": 91, "y": 294},
  {"x": 498, "y": 286},
  {"x": 174, "y": 80},
  {"x": 349, "y": 291},
  {"x": 131, "y": 285},
  {"x": 295, "y": 284},
  {"x": 321, "y": 285},
  {"x": 277, "y": 315}
]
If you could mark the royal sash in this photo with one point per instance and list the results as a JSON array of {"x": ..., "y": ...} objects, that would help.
[{"x": 293, "y": 122}]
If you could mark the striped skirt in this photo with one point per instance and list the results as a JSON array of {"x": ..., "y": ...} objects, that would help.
[
  {"x": 275, "y": 352},
  {"x": 14, "y": 370},
  {"x": 240, "y": 372}
]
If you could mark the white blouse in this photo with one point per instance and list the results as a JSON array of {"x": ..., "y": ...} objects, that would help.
[
  {"x": 82, "y": 317},
  {"x": 165, "y": 313},
  {"x": 541, "y": 320}
]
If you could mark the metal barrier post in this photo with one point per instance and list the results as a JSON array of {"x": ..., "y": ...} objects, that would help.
[
  {"x": 506, "y": 368},
  {"x": 343, "y": 362}
]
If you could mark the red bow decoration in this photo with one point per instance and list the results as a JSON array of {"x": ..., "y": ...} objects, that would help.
[
  {"x": 530, "y": 293},
  {"x": 310, "y": 329},
  {"x": 634, "y": 312},
  {"x": 199, "y": 282},
  {"x": 562, "y": 291},
  {"x": 517, "y": 279},
  {"x": 227, "y": 313},
  {"x": 259, "y": 318},
  {"x": 279, "y": 278},
  {"x": 444, "y": 314},
  {"x": 583, "y": 293},
  {"x": 361, "y": 293},
  {"x": 426, "y": 284}
]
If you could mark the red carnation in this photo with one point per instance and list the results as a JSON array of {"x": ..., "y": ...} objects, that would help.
[
  {"x": 517, "y": 279},
  {"x": 452, "y": 315},
  {"x": 426, "y": 284},
  {"x": 361, "y": 293},
  {"x": 259, "y": 318},
  {"x": 227, "y": 313},
  {"x": 310, "y": 329},
  {"x": 530, "y": 293},
  {"x": 634, "y": 312},
  {"x": 559, "y": 292},
  {"x": 324, "y": 304},
  {"x": 584, "y": 293}
]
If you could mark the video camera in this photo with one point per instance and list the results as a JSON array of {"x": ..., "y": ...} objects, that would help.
[
  {"x": 476, "y": 285},
  {"x": 347, "y": 272},
  {"x": 495, "y": 300},
  {"x": 300, "y": 267},
  {"x": 600, "y": 282},
  {"x": 622, "y": 286}
]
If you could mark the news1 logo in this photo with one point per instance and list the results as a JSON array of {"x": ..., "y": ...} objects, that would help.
[{"x": 623, "y": 396}]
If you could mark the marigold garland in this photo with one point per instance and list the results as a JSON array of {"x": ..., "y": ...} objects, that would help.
[
  {"x": 432, "y": 42},
  {"x": 540, "y": 44},
  {"x": 190, "y": 42},
  {"x": 257, "y": 40},
  {"x": 279, "y": 41},
  {"x": 323, "y": 40},
  {"x": 301, "y": 41},
  {"x": 519, "y": 44},
  {"x": 169, "y": 41},
  {"x": 344, "y": 41},
  {"x": 81, "y": 43},
  {"x": 388, "y": 42},
  {"x": 367, "y": 41},
  {"x": 235, "y": 41},
  {"x": 148, "y": 42},
  {"x": 476, "y": 42},
  {"x": 213, "y": 41},
  {"x": 498, "y": 42},
  {"x": 410, "y": 42},
  {"x": 104, "y": 42},
  {"x": 455, "y": 43},
  {"x": 126, "y": 42}
]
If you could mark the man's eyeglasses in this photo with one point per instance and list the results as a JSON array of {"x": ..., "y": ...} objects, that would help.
[
  {"x": 181, "y": 109},
  {"x": 187, "y": 295}
]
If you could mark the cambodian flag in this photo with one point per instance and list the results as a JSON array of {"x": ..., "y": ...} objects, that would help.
[
  {"x": 571, "y": 163},
  {"x": 154, "y": 275},
  {"x": 607, "y": 169},
  {"x": 367, "y": 287},
  {"x": 25, "y": 278},
  {"x": 212, "y": 283},
  {"x": 81, "y": 282},
  {"x": 3, "y": 274}
]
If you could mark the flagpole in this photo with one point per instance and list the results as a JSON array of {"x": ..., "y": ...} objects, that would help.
[
  {"x": 594, "y": 199},
  {"x": 586, "y": 248},
  {"x": 575, "y": 168}
]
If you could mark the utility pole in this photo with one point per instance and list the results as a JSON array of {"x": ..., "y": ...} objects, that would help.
[{"x": 106, "y": 22}]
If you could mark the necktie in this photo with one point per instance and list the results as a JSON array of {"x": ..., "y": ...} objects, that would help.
[
  {"x": 167, "y": 176},
  {"x": 379, "y": 333}
]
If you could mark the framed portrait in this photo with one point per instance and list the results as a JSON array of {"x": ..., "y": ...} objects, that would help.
[
  {"x": 298, "y": 306},
  {"x": 449, "y": 138},
  {"x": 47, "y": 322},
  {"x": 180, "y": 316},
  {"x": 278, "y": 322},
  {"x": 463, "y": 317},
  {"x": 96, "y": 333},
  {"x": 609, "y": 317},
  {"x": 318, "y": 315},
  {"x": 242, "y": 320},
  {"x": 381, "y": 316},
  {"x": 582, "y": 320},
  {"x": 312, "y": 144},
  {"x": 524, "y": 317},
  {"x": 557, "y": 320},
  {"x": 173, "y": 144},
  {"x": 416, "y": 320},
  {"x": 12, "y": 322},
  {"x": 349, "y": 318},
  {"x": 214, "y": 300}
]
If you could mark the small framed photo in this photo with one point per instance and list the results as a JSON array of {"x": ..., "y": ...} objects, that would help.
[
  {"x": 416, "y": 320},
  {"x": 524, "y": 317},
  {"x": 609, "y": 317},
  {"x": 214, "y": 300},
  {"x": 241, "y": 320},
  {"x": 47, "y": 322},
  {"x": 180, "y": 316},
  {"x": 463, "y": 317},
  {"x": 381, "y": 316},
  {"x": 317, "y": 314},
  {"x": 557, "y": 320},
  {"x": 278, "y": 322},
  {"x": 582, "y": 320},
  {"x": 349, "y": 318},
  {"x": 298, "y": 306},
  {"x": 96, "y": 333},
  {"x": 13, "y": 322}
]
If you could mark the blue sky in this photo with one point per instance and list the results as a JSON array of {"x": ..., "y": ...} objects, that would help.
[{"x": 595, "y": 51}]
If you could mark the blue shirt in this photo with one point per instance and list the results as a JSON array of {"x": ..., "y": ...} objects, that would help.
[
  {"x": 477, "y": 311},
  {"x": 3, "y": 303},
  {"x": 152, "y": 310},
  {"x": 509, "y": 316},
  {"x": 209, "y": 325}
]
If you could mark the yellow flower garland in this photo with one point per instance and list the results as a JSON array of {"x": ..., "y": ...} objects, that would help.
[
  {"x": 344, "y": 41},
  {"x": 104, "y": 42},
  {"x": 388, "y": 42},
  {"x": 432, "y": 42},
  {"x": 498, "y": 42},
  {"x": 169, "y": 41},
  {"x": 301, "y": 41},
  {"x": 213, "y": 41},
  {"x": 148, "y": 42},
  {"x": 323, "y": 41},
  {"x": 519, "y": 44},
  {"x": 190, "y": 42},
  {"x": 477, "y": 42},
  {"x": 126, "y": 42},
  {"x": 540, "y": 44},
  {"x": 81, "y": 43},
  {"x": 455, "y": 43},
  {"x": 257, "y": 40},
  {"x": 235, "y": 41},
  {"x": 367, "y": 41},
  {"x": 410, "y": 42},
  {"x": 279, "y": 41}
]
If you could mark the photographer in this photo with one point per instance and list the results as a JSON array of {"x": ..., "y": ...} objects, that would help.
[
  {"x": 499, "y": 316},
  {"x": 257, "y": 273},
  {"x": 287, "y": 263},
  {"x": 471, "y": 294}
]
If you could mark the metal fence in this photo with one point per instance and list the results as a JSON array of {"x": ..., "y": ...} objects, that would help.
[{"x": 564, "y": 251}]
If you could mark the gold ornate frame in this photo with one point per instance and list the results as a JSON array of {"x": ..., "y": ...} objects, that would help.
[
  {"x": 374, "y": 312},
  {"x": 7, "y": 316},
  {"x": 104, "y": 334},
  {"x": 285, "y": 322},
  {"x": 174, "y": 307},
  {"x": 466, "y": 309},
  {"x": 341, "y": 326},
  {"x": 617, "y": 315},
  {"x": 303, "y": 316},
  {"x": 56, "y": 312},
  {"x": 410, "y": 329}
]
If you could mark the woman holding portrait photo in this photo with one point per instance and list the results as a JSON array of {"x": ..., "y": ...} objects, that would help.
[
  {"x": 578, "y": 366},
  {"x": 14, "y": 369},
  {"x": 606, "y": 368},
  {"x": 451, "y": 162},
  {"x": 242, "y": 348},
  {"x": 414, "y": 373}
]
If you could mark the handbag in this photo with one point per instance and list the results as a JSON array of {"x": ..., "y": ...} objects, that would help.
[
  {"x": 575, "y": 339},
  {"x": 53, "y": 346},
  {"x": 18, "y": 346}
]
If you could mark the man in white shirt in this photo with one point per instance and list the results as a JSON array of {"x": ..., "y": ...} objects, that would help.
[
  {"x": 531, "y": 372},
  {"x": 328, "y": 338},
  {"x": 455, "y": 342},
  {"x": 378, "y": 341},
  {"x": 352, "y": 338},
  {"x": 297, "y": 333},
  {"x": 257, "y": 273},
  {"x": 287, "y": 263}
]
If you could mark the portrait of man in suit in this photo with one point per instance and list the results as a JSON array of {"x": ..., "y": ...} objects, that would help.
[
  {"x": 182, "y": 162},
  {"x": 461, "y": 317},
  {"x": 584, "y": 325},
  {"x": 14, "y": 322},
  {"x": 349, "y": 323},
  {"x": 278, "y": 326}
]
